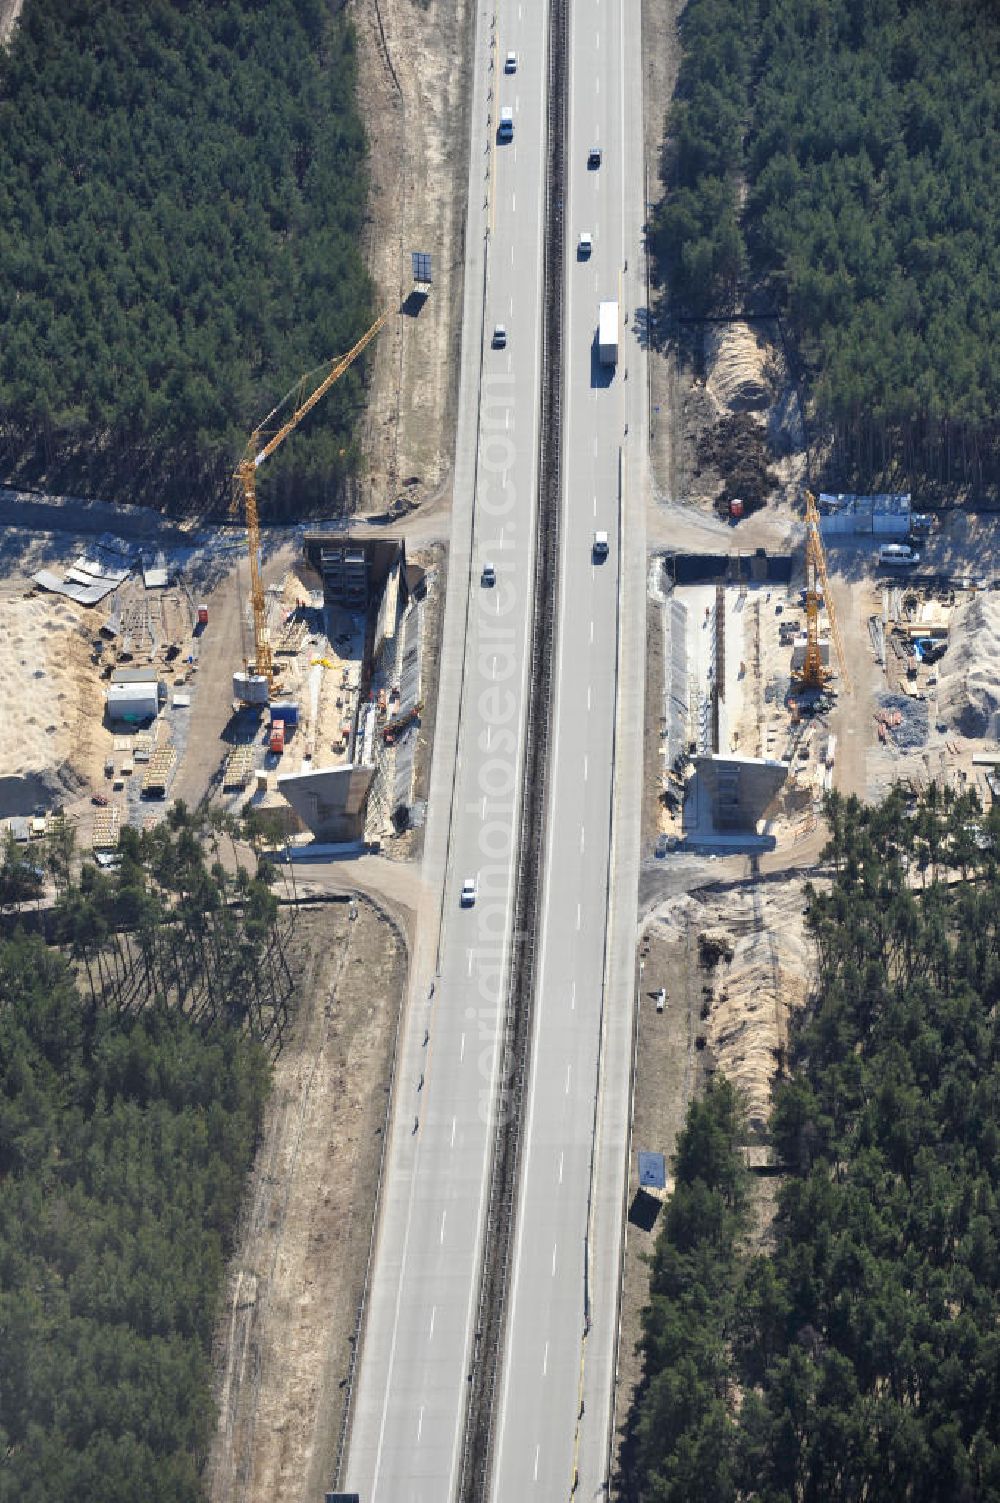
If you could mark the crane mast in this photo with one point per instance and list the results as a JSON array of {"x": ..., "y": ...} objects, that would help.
[
  {"x": 258, "y": 448},
  {"x": 814, "y": 674},
  {"x": 263, "y": 663}
]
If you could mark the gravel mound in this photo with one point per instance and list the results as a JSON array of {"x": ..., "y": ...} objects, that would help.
[
  {"x": 736, "y": 365},
  {"x": 969, "y": 672}
]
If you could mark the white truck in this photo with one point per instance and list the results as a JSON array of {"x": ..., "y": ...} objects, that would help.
[{"x": 607, "y": 333}]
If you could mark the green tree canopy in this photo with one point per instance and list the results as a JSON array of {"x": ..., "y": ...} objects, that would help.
[
  {"x": 841, "y": 163},
  {"x": 182, "y": 190}
]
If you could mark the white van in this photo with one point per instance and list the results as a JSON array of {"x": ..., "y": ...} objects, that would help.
[{"x": 897, "y": 556}]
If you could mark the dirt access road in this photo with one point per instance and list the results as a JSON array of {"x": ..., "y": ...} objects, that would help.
[
  {"x": 286, "y": 1334},
  {"x": 414, "y": 59}
]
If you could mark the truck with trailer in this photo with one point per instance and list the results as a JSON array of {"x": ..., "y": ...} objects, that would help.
[{"x": 607, "y": 333}]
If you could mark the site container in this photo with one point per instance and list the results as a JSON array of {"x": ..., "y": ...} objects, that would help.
[
  {"x": 286, "y": 710},
  {"x": 890, "y": 524},
  {"x": 203, "y": 615},
  {"x": 250, "y": 689},
  {"x": 277, "y": 742}
]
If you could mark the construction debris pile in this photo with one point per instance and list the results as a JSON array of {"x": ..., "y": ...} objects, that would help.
[
  {"x": 902, "y": 721},
  {"x": 736, "y": 446},
  {"x": 969, "y": 687}
]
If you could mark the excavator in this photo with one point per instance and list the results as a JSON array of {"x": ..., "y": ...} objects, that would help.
[{"x": 255, "y": 684}]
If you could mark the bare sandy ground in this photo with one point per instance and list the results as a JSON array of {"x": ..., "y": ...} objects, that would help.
[
  {"x": 732, "y": 1017},
  {"x": 747, "y": 1000},
  {"x": 9, "y": 12},
  {"x": 285, "y": 1337},
  {"x": 414, "y": 83},
  {"x": 50, "y": 698}
]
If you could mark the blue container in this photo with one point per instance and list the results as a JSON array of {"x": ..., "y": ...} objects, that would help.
[{"x": 285, "y": 710}]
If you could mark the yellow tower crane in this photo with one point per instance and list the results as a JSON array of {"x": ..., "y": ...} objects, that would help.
[
  {"x": 259, "y": 446},
  {"x": 813, "y": 673}
]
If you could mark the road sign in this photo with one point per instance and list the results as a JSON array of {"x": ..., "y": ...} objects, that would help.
[{"x": 652, "y": 1171}]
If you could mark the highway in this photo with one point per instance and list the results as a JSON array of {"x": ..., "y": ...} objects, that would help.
[
  {"x": 583, "y": 1001},
  {"x": 419, "y": 1335}
]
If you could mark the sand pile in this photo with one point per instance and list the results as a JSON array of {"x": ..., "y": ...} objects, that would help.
[
  {"x": 969, "y": 672},
  {"x": 735, "y": 361},
  {"x": 300, "y": 583},
  {"x": 745, "y": 1023},
  {"x": 50, "y": 700}
]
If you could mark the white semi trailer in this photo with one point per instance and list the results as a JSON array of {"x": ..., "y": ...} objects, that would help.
[{"x": 607, "y": 333}]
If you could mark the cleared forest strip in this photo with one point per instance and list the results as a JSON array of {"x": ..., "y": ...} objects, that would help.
[{"x": 294, "y": 1286}]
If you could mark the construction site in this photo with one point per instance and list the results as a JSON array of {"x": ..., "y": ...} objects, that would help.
[
  {"x": 143, "y": 664},
  {"x": 866, "y": 656},
  {"x": 115, "y": 709}
]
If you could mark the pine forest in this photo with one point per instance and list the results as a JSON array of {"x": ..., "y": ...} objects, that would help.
[
  {"x": 137, "y": 1028},
  {"x": 839, "y": 164},
  {"x": 182, "y": 189},
  {"x": 851, "y": 1354}
]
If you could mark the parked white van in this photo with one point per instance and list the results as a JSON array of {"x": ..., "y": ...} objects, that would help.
[{"x": 897, "y": 556}]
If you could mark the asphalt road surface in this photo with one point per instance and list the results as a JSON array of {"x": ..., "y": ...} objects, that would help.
[
  {"x": 555, "y": 1395},
  {"x": 420, "y": 1331}
]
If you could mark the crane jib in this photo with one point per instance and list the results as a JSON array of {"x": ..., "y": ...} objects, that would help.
[{"x": 245, "y": 474}]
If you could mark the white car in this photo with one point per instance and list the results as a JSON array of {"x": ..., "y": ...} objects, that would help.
[
  {"x": 585, "y": 244},
  {"x": 510, "y": 63},
  {"x": 488, "y": 578},
  {"x": 600, "y": 546},
  {"x": 500, "y": 337},
  {"x": 470, "y": 890}
]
